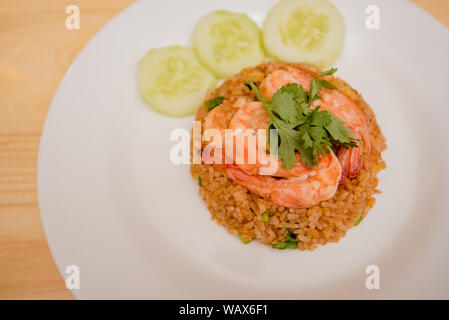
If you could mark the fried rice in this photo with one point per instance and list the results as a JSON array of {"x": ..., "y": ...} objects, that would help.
[{"x": 240, "y": 211}]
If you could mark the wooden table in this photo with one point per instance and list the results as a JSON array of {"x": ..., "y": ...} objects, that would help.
[{"x": 35, "y": 51}]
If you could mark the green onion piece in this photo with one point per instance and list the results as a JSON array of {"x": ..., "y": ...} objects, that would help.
[
  {"x": 244, "y": 240},
  {"x": 200, "y": 182},
  {"x": 358, "y": 221},
  {"x": 291, "y": 244},
  {"x": 291, "y": 237},
  {"x": 278, "y": 245},
  {"x": 286, "y": 245},
  {"x": 265, "y": 216},
  {"x": 215, "y": 102}
]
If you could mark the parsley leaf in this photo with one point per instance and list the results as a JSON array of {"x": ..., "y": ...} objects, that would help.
[
  {"x": 315, "y": 88},
  {"x": 290, "y": 141},
  {"x": 212, "y": 103},
  {"x": 308, "y": 131},
  {"x": 283, "y": 103},
  {"x": 339, "y": 133}
]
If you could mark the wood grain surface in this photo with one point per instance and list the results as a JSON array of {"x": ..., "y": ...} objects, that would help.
[{"x": 35, "y": 51}]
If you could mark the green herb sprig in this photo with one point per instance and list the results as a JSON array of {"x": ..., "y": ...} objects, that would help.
[
  {"x": 215, "y": 102},
  {"x": 300, "y": 128}
]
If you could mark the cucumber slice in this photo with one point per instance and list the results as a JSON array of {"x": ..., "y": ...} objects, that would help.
[
  {"x": 173, "y": 81},
  {"x": 306, "y": 31},
  {"x": 227, "y": 42}
]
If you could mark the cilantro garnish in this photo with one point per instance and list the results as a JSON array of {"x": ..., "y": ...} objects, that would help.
[
  {"x": 302, "y": 129},
  {"x": 212, "y": 103}
]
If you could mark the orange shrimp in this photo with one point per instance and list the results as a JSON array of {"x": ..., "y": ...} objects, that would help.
[
  {"x": 304, "y": 190},
  {"x": 253, "y": 116},
  {"x": 347, "y": 110},
  {"x": 279, "y": 78},
  {"x": 335, "y": 102},
  {"x": 299, "y": 187},
  {"x": 218, "y": 119}
]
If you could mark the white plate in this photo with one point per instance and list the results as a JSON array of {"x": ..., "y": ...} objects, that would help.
[{"x": 113, "y": 204}]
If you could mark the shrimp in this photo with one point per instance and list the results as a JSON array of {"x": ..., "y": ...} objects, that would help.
[
  {"x": 347, "y": 110},
  {"x": 218, "y": 119},
  {"x": 247, "y": 120},
  {"x": 304, "y": 190},
  {"x": 253, "y": 116},
  {"x": 299, "y": 187},
  {"x": 335, "y": 102},
  {"x": 278, "y": 78}
]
